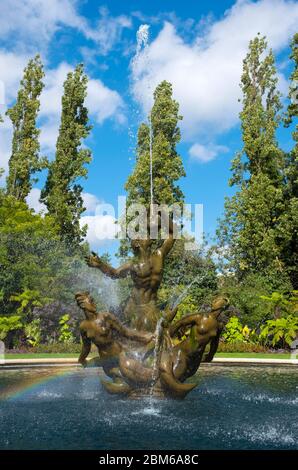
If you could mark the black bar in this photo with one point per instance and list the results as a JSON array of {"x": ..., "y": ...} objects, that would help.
[{"x": 136, "y": 458}]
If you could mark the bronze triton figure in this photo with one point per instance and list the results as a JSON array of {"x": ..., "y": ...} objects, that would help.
[{"x": 146, "y": 273}]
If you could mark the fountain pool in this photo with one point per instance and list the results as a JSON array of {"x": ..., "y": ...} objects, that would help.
[{"x": 66, "y": 408}]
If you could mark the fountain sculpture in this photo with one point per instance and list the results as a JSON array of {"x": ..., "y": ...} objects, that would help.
[{"x": 154, "y": 355}]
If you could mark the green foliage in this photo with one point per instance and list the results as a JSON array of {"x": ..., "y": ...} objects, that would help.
[
  {"x": 241, "y": 347},
  {"x": 288, "y": 226},
  {"x": 28, "y": 299},
  {"x": 8, "y": 324},
  {"x": 62, "y": 194},
  {"x": 36, "y": 267},
  {"x": 24, "y": 242},
  {"x": 246, "y": 295},
  {"x": 250, "y": 227},
  {"x": 282, "y": 304},
  {"x": 167, "y": 163},
  {"x": 234, "y": 331},
  {"x": 259, "y": 116},
  {"x": 58, "y": 348},
  {"x": 33, "y": 332},
  {"x": 189, "y": 276},
  {"x": 66, "y": 335},
  {"x": 280, "y": 332},
  {"x": 25, "y": 161}
]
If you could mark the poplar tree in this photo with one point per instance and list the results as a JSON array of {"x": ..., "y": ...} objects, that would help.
[
  {"x": 62, "y": 193},
  {"x": 167, "y": 163},
  {"x": 248, "y": 232},
  {"x": 288, "y": 228},
  {"x": 25, "y": 160}
]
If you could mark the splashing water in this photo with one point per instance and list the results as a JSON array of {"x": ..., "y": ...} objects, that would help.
[
  {"x": 142, "y": 37},
  {"x": 152, "y": 409},
  {"x": 184, "y": 292},
  {"x": 157, "y": 346},
  {"x": 139, "y": 63}
]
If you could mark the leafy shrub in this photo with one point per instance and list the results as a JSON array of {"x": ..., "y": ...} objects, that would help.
[
  {"x": 33, "y": 332},
  {"x": 282, "y": 304},
  {"x": 57, "y": 348},
  {"x": 242, "y": 347},
  {"x": 235, "y": 332},
  {"x": 280, "y": 332},
  {"x": 246, "y": 295},
  {"x": 66, "y": 335},
  {"x": 8, "y": 324},
  {"x": 28, "y": 299}
]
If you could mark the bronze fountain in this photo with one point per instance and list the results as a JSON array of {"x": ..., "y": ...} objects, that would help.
[{"x": 154, "y": 355}]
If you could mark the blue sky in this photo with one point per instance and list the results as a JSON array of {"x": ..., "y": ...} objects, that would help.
[{"x": 198, "y": 46}]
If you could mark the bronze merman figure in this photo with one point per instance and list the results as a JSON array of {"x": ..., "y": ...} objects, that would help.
[
  {"x": 183, "y": 361},
  {"x": 146, "y": 272},
  {"x": 105, "y": 331},
  {"x": 177, "y": 362}
]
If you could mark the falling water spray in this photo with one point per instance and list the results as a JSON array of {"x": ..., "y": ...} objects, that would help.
[{"x": 139, "y": 63}]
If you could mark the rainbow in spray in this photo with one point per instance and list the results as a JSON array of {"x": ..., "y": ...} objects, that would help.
[{"x": 29, "y": 381}]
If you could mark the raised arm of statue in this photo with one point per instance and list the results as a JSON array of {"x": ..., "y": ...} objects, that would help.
[
  {"x": 186, "y": 322},
  {"x": 115, "y": 273},
  {"x": 129, "y": 333}
]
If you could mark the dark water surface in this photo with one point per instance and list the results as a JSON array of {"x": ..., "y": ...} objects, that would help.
[{"x": 232, "y": 408}]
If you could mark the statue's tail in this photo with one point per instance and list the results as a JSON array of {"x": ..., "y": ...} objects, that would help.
[
  {"x": 116, "y": 388},
  {"x": 133, "y": 371},
  {"x": 175, "y": 388}
]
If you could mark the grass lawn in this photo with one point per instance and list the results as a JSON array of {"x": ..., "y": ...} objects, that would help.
[
  {"x": 41, "y": 355},
  {"x": 256, "y": 355},
  {"x": 219, "y": 355}
]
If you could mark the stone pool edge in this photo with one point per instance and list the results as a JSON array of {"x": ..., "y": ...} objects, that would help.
[{"x": 72, "y": 362}]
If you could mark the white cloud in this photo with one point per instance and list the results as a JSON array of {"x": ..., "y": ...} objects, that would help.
[
  {"x": 5, "y": 145},
  {"x": 103, "y": 102},
  {"x": 11, "y": 69},
  {"x": 101, "y": 228},
  {"x": 31, "y": 23},
  {"x": 90, "y": 202},
  {"x": 33, "y": 201},
  {"x": 205, "y": 74},
  {"x": 108, "y": 30},
  {"x": 206, "y": 153},
  {"x": 50, "y": 100},
  {"x": 101, "y": 221}
]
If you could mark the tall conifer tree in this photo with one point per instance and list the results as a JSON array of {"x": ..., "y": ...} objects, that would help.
[
  {"x": 25, "y": 160},
  {"x": 288, "y": 227},
  {"x": 167, "y": 163},
  {"x": 249, "y": 230},
  {"x": 62, "y": 193}
]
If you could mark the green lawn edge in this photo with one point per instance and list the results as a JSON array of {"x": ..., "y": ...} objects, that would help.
[{"x": 218, "y": 355}]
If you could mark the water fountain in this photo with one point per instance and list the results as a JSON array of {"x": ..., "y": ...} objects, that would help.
[{"x": 149, "y": 353}]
